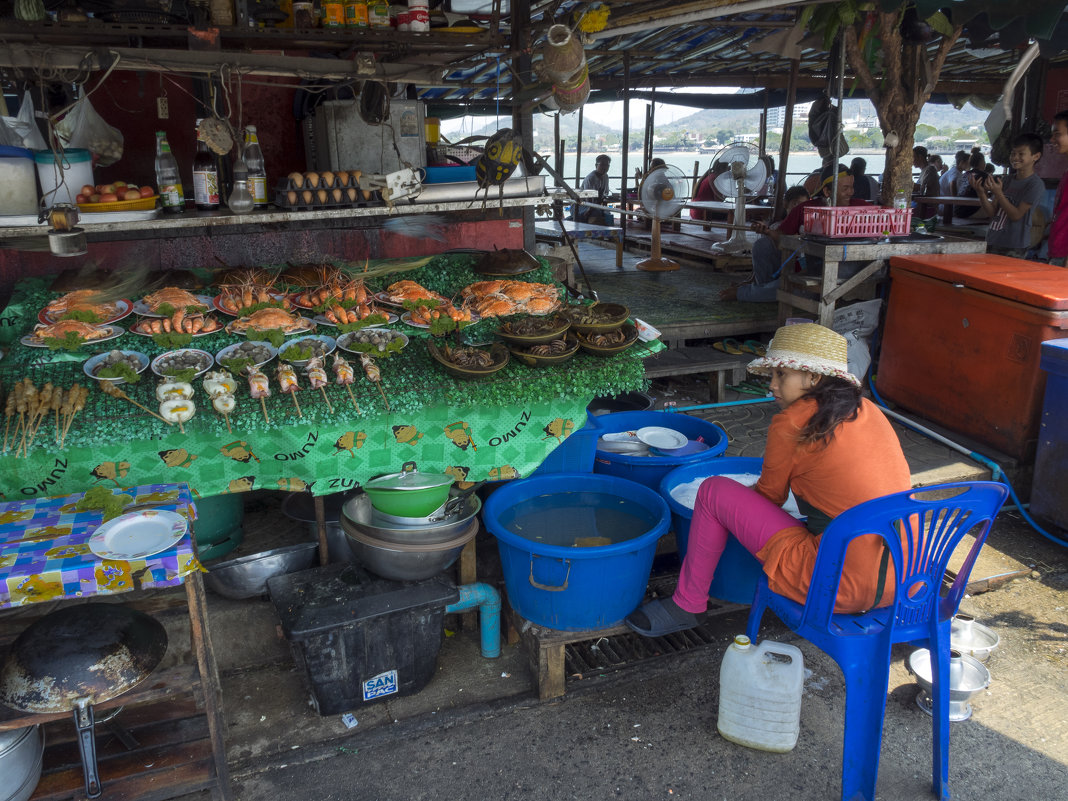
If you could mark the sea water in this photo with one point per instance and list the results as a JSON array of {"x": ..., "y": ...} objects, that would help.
[{"x": 578, "y": 519}]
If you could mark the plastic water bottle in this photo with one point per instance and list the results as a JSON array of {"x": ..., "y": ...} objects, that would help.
[
  {"x": 901, "y": 200},
  {"x": 168, "y": 180},
  {"x": 760, "y": 694}
]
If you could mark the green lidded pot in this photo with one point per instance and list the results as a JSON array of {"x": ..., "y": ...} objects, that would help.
[{"x": 409, "y": 494}]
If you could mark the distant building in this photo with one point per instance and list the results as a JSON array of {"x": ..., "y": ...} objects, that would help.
[{"x": 777, "y": 116}]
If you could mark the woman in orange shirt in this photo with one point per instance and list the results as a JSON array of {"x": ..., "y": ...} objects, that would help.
[{"x": 833, "y": 448}]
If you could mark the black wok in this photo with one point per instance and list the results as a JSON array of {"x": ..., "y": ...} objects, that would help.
[{"x": 78, "y": 656}]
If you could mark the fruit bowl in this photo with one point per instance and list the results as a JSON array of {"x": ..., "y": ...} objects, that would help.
[{"x": 141, "y": 204}]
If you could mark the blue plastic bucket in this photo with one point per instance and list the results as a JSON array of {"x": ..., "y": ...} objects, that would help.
[
  {"x": 575, "y": 588},
  {"x": 737, "y": 572},
  {"x": 650, "y": 470}
]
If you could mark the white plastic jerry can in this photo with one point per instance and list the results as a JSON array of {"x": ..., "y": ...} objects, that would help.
[{"x": 760, "y": 690}]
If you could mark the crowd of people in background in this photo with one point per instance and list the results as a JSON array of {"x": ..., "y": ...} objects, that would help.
[{"x": 1010, "y": 202}]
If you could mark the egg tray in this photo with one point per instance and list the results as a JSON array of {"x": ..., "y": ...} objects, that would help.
[{"x": 281, "y": 200}]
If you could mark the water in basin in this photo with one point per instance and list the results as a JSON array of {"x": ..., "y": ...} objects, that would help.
[{"x": 578, "y": 519}]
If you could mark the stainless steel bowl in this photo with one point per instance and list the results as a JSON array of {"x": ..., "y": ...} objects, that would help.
[
  {"x": 405, "y": 562},
  {"x": 246, "y": 576},
  {"x": 21, "y": 755},
  {"x": 358, "y": 515},
  {"x": 301, "y": 506}
]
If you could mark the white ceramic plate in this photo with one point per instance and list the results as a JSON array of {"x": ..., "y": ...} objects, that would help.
[
  {"x": 139, "y": 326},
  {"x": 406, "y": 318},
  {"x": 345, "y": 340},
  {"x": 232, "y": 352},
  {"x": 136, "y": 535},
  {"x": 140, "y": 307},
  {"x": 123, "y": 308},
  {"x": 329, "y": 342},
  {"x": 92, "y": 362},
  {"x": 662, "y": 438},
  {"x": 217, "y": 303},
  {"x": 113, "y": 331},
  {"x": 206, "y": 360}
]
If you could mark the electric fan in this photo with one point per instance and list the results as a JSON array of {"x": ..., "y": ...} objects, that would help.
[
  {"x": 747, "y": 174},
  {"x": 662, "y": 194}
]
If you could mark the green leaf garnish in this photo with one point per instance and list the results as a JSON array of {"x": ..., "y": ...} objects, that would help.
[
  {"x": 172, "y": 339},
  {"x": 82, "y": 315},
  {"x": 69, "y": 341},
  {"x": 103, "y": 499},
  {"x": 237, "y": 366},
  {"x": 276, "y": 336},
  {"x": 248, "y": 311},
  {"x": 119, "y": 370},
  {"x": 366, "y": 322},
  {"x": 395, "y": 345},
  {"x": 297, "y": 353},
  {"x": 185, "y": 375}
]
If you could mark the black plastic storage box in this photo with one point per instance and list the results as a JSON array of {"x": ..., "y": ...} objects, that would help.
[{"x": 360, "y": 638}]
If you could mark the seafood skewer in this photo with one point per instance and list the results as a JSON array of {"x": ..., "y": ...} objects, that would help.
[
  {"x": 259, "y": 387},
  {"x": 178, "y": 410},
  {"x": 58, "y": 398},
  {"x": 318, "y": 379},
  {"x": 220, "y": 386},
  {"x": 29, "y": 396},
  {"x": 111, "y": 389},
  {"x": 373, "y": 374},
  {"x": 44, "y": 403},
  {"x": 9, "y": 412},
  {"x": 75, "y": 402},
  {"x": 287, "y": 382},
  {"x": 346, "y": 376}
]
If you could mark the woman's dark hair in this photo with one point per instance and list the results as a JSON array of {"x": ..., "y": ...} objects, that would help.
[{"x": 837, "y": 401}]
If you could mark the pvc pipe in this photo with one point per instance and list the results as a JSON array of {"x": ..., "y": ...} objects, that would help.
[
  {"x": 996, "y": 473},
  {"x": 488, "y": 601},
  {"x": 716, "y": 405}
]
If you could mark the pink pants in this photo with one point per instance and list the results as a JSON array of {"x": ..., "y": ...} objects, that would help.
[{"x": 724, "y": 507}]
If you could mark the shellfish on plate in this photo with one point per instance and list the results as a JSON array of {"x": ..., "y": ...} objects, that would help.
[
  {"x": 60, "y": 330},
  {"x": 270, "y": 320}
]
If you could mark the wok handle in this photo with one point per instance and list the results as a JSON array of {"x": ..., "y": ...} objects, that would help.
[{"x": 83, "y": 722}]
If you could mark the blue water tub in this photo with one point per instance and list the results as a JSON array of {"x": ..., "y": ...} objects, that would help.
[
  {"x": 737, "y": 572},
  {"x": 575, "y": 588},
  {"x": 650, "y": 470}
]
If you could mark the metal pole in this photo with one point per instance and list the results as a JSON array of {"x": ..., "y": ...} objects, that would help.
[{"x": 841, "y": 127}]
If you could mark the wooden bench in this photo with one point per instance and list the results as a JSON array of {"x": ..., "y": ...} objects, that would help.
[
  {"x": 688, "y": 361},
  {"x": 550, "y": 232}
]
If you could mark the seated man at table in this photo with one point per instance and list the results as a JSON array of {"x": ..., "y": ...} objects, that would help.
[
  {"x": 767, "y": 260},
  {"x": 791, "y": 225},
  {"x": 927, "y": 184},
  {"x": 598, "y": 182},
  {"x": 706, "y": 190}
]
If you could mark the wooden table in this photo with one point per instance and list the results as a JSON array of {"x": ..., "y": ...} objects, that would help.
[
  {"x": 178, "y": 745},
  {"x": 826, "y": 289},
  {"x": 947, "y": 204},
  {"x": 555, "y": 232},
  {"x": 752, "y": 210}
]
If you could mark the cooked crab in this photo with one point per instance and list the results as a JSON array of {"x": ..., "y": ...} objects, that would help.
[
  {"x": 410, "y": 290},
  {"x": 81, "y": 300},
  {"x": 64, "y": 327},
  {"x": 172, "y": 296},
  {"x": 269, "y": 320}
]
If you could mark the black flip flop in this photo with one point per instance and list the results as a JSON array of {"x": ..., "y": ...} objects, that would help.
[{"x": 658, "y": 620}]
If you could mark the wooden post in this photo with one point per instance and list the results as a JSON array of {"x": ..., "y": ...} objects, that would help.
[
  {"x": 320, "y": 528},
  {"x": 787, "y": 132},
  {"x": 625, "y": 178}
]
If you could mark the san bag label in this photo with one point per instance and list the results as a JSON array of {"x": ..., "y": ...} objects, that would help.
[{"x": 380, "y": 685}]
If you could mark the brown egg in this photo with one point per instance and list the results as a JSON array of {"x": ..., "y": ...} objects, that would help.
[
  {"x": 307, "y": 196},
  {"x": 311, "y": 180},
  {"x": 351, "y": 194},
  {"x": 342, "y": 178},
  {"x": 296, "y": 179},
  {"x": 337, "y": 194},
  {"x": 328, "y": 179},
  {"x": 356, "y": 175},
  {"x": 322, "y": 196},
  {"x": 366, "y": 194},
  {"x": 291, "y": 197}
]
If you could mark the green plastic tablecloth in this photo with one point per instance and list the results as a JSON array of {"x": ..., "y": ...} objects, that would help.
[{"x": 493, "y": 428}]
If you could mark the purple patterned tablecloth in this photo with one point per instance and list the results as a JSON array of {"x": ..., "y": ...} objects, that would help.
[{"x": 45, "y": 555}]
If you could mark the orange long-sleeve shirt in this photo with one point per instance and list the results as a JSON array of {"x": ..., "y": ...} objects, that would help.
[{"x": 863, "y": 461}]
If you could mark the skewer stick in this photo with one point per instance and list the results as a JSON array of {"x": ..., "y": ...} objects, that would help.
[
  {"x": 354, "y": 403},
  {"x": 263, "y": 406},
  {"x": 384, "y": 398},
  {"x": 325, "y": 398},
  {"x": 181, "y": 427},
  {"x": 118, "y": 393},
  {"x": 293, "y": 395},
  {"x": 226, "y": 417}
]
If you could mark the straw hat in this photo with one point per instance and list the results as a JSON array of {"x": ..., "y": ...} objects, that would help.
[{"x": 808, "y": 347}]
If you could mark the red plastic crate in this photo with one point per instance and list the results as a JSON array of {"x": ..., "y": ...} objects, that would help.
[{"x": 856, "y": 221}]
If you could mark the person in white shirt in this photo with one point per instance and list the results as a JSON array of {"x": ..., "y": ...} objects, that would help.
[
  {"x": 947, "y": 184},
  {"x": 597, "y": 181}
]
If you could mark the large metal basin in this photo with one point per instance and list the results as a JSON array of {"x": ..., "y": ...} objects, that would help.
[
  {"x": 358, "y": 513},
  {"x": 246, "y": 576},
  {"x": 21, "y": 755},
  {"x": 405, "y": 562}
]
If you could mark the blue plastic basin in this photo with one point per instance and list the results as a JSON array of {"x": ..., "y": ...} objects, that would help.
[
  {"x": 737, "y": 572},
  {"x": 575, "y": 588},
  {"x": 650, "y": 470}
]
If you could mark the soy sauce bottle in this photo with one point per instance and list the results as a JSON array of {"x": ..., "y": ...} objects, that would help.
[{"x": 205, "y": 177}]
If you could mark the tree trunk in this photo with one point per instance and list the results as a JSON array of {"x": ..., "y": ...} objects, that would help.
[{"x": 906, "y": 80}]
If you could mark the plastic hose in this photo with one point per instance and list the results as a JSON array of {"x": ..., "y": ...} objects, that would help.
[
  {"x": 996, "y": 473},
  {"x": 716, "y": 405},
  {"x": 488, "y": 601}
]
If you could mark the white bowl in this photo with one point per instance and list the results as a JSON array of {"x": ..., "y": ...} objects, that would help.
[
  {"x": 91, "y": 363},
  {"x": 329, "y": 342},
  {"x": 206, "y": 361}
]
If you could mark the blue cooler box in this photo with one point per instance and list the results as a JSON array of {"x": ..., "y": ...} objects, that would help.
[{"x": 1049, "y": 492}]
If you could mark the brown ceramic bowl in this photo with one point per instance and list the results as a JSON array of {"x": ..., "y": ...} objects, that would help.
[
  {"x": 598, "y": 317},
  {"x": 630, "y": 336},
  {"x": 497, "y": 350},
  {"x": 526, "y": 331},
  {"x": 524, "y": 354}
]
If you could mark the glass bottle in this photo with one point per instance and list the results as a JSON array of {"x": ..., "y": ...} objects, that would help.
[
  {"x": 205, "y": 177},
  {"x": 240, "y": 200},
  {"x": 168, "y": 179},
  {"x": 257, "y": 172}
]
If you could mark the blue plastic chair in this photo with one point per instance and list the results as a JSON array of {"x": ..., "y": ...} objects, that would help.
[{"x": 920, "y": 615}]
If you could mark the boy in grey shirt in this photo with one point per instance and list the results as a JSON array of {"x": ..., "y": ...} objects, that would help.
[{"x": 1013, "y": 199}]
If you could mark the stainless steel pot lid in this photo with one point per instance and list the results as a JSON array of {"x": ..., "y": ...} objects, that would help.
[{"x": 411, "y": 480}]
